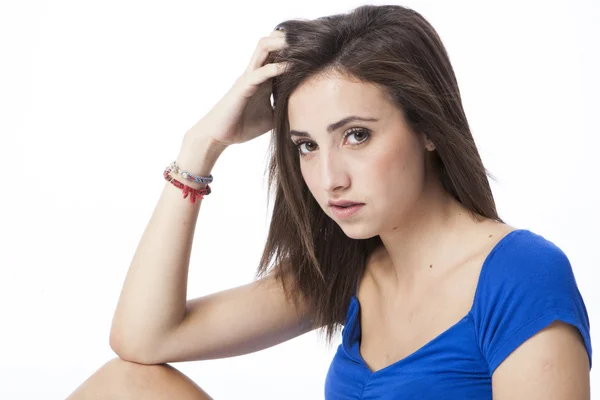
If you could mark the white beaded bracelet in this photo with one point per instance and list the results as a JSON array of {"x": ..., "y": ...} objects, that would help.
[{"x": 173, "y": 167}]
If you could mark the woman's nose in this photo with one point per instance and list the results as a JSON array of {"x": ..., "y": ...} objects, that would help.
[{"x": 333, "y": 172}]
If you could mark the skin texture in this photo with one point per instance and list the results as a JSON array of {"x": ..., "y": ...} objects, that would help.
[
  {"x": 120, "y": 380},
  {"x": 432, "y": 245},
  {"x": 553, "y": 364}
]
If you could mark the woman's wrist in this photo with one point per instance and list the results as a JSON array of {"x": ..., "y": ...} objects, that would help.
[{"x": 198, "y": 155}]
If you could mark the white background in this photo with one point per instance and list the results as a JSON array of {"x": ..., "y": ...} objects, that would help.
[{"x": 95, "y": 98}]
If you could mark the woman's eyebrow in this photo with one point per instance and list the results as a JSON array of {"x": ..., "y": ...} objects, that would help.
[{"x": 336, "y": 125}]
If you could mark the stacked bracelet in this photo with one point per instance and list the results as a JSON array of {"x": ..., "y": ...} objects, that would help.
[
  {"x": 188, "y": 175},
  {"x": 187, "y": 190}
]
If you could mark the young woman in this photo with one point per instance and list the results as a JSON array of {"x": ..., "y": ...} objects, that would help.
[{"x": 383, "y": 223}]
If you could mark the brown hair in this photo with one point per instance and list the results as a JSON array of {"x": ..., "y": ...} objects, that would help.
[{"x": 393, "y": 47}]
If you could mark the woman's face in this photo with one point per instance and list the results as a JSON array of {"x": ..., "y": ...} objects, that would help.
[{"x": 379, "y": 162}]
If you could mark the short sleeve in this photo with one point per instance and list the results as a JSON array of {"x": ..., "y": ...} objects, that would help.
[{"x": 525, "y": 285}]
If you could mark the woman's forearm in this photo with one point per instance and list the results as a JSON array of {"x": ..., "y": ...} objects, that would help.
[{"x": 153, "y": 297}]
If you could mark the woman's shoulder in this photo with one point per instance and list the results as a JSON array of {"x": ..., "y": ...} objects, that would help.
[
  {"x": 526, "y": 283},
  {"x": 526, "y": 268},
  {"x": 525, "y": 252}
]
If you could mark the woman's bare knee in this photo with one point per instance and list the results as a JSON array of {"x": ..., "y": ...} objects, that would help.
[{"x": 120, "y": 380}]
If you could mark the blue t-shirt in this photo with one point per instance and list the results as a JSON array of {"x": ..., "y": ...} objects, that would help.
[{"x": 526, "y": 282}]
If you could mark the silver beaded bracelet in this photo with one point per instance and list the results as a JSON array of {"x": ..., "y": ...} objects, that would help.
[{"x": 173, "y": 167}]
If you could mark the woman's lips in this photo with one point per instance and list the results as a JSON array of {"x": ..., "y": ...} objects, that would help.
[{"x": 346, "y": 212}]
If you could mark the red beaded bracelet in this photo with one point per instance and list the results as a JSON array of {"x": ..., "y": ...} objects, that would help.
[{"x": 193, "y": 193}]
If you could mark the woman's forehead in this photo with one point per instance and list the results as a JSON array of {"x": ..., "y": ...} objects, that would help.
[{"x": 329, "y": 99}]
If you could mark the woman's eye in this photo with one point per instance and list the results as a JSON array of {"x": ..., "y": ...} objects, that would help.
[
  {"x": 299, "y": 149},
  {"x": 357, "y": 133}
]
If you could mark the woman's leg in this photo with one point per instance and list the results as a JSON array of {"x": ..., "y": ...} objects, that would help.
[{"x": 123, "y": 380}]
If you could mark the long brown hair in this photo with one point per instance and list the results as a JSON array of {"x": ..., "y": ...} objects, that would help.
[{"x": 396, "y": 48}]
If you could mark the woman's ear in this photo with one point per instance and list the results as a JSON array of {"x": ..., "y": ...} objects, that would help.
[{"x": 429, "y": 144}]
